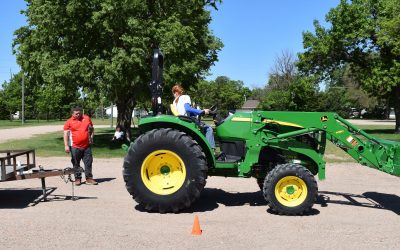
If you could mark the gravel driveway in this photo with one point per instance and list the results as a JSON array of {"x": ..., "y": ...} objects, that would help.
[
  {"x": 27, "y": 132},
  {"x": 357, "y": 208},
  {"x": 372, "y": 122}
]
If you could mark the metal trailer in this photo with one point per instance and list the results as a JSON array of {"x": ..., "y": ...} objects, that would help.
[{"x": 21, "y": 165}]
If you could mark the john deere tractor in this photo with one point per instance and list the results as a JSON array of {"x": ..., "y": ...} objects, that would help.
[{"x": 166, "y": 167}]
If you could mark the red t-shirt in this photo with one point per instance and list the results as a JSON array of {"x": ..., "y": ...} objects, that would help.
[{"x": 79, "y": 131}]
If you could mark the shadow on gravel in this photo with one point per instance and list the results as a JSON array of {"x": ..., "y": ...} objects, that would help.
[
  {"x": 101, "y": 180},
  {"x": 312, "y": 212},
  {"x": 387, "y": 201},
  {"x": 368, "y": 199},
  {"x": 13, "y": 198},
  {"x": 211, "y": 198}
]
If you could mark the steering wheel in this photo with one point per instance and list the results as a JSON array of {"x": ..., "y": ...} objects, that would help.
[
  {"x": 213, "y": 108},
  {"x": 212, "y": 112}
]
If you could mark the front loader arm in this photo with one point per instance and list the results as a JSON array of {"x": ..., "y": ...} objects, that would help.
[
  {"x": 367, "y": 150},
  {"x": 381, "y": 154}
]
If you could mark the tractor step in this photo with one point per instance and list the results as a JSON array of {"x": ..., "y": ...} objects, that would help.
[{"x": 222, "y": 157}]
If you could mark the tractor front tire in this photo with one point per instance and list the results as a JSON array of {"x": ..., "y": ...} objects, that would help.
[
  {"x": 290, "y": 189},
  {"x": 165, "y": 170}
]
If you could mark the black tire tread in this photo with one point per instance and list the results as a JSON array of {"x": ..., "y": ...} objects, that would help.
[
  {"x": 197, "y": 156},
  {"x": 300, "y": 172}
]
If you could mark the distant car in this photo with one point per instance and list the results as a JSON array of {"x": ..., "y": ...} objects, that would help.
[
  {"x": 354, "y": 113},
  {"x": 392, "y": 115}
]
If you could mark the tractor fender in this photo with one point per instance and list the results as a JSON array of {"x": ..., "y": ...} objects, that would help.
[{"x": 185, "y": 125}]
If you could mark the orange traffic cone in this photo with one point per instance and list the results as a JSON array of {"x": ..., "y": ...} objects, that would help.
[{"x": 196, "y": 230}]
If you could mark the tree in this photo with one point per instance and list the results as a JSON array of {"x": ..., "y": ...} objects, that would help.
[
  {"x": 301, "y": 94},
  {"x": 107, "y": 45},
  {"x": 53, "y": 100},
  {"x": 283, "y": 71},
  {"x": 363, "y": 35},
  {"x": 287, "y": 89},
  {"x": 4, "y": 114},
  {"x": 12, "y": 95},
  {"x": 257, "y": 93},
  {"x": 227, "y": 94}
]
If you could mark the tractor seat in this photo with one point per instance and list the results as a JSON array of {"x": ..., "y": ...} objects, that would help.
[{"x": 173, "y": 109}]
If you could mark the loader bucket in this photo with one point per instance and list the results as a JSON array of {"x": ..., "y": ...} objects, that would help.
[{"x": 389, "y": 160}]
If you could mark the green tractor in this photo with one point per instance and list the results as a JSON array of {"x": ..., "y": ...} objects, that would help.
[{"x": 166, "y": 167}]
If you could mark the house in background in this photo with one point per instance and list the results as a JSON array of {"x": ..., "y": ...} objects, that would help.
[
  {"x": 249, "y": 105},
  {"x": 114, "y": 111},
  {"x": 136, "y": 112}
]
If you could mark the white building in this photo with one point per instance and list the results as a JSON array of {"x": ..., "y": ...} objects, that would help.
[
  {"x": 114, "y": 111},
  {"x": 136, "y": 112}
]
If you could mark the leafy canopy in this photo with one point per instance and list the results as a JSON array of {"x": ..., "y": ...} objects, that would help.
[
  {"x": 106, "y": 45},
  {"x": 362, "y": 35},
  {"x": 227, "y": 94}
]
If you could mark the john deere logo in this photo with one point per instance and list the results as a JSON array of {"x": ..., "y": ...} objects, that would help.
[{"x": 324, "y": 118}]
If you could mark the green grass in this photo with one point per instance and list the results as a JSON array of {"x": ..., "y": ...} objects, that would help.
[
  {"x": 52, "y": 144},
  {"x": 29, "y": 123}
]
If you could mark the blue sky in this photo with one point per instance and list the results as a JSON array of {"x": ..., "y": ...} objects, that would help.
[
  {"x": 254, "y": 33},
  {"x": 10, "y": 20}
]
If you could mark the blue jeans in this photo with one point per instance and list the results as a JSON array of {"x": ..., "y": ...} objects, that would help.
[{"x": 210, "y": 136}]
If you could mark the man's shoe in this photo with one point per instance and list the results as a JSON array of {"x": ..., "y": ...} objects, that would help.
[
  {"x": 78, "y": 182},
  {"x": 91, "y": 181}
]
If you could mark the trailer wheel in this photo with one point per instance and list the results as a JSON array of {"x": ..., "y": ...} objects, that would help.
[
  {"x": 165, "y": 170},
  {"x": 290, "y": 189}
]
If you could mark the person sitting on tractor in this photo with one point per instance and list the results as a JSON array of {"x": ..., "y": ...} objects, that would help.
[{"x": 183, "y": 106}]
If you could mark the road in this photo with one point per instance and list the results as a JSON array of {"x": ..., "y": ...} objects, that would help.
[
  {"x": 357, "y": 208},
  {"x": 372, "y": 122},
  {"x": 27, "y": 132}
]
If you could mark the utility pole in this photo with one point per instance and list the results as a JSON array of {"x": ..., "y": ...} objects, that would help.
[
  {"x": 11, "y": 115},
  {"x": 23, "y": 99}
]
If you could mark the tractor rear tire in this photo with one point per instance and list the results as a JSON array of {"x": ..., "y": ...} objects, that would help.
[
  {"x": 290, "y": 189},
  {"x": 165, "y": 170}
]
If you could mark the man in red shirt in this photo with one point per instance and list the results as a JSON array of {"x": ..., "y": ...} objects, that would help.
[{"x": 78, "y": 130}]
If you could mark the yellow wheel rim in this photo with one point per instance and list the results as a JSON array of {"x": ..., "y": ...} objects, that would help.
[
  {"x": 163, "y": 172},
  {"x": 291, "y": 191}
]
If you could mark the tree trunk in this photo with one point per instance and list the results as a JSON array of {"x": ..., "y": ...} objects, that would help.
[
  {"x": 124, "y": 118},
  {"x": 397, "y": 108}
]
